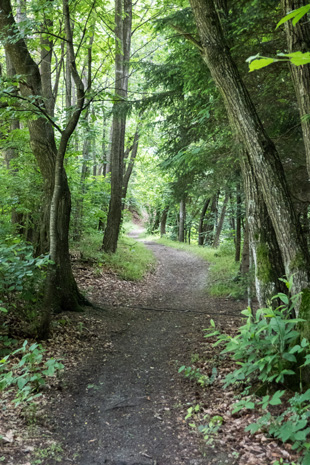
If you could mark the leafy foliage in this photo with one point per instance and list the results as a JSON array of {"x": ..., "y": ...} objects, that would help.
[
  {"x": 21, "y": 275},
  {"x": 28, "y": 374},
  {"x": 268, "y": 349}
]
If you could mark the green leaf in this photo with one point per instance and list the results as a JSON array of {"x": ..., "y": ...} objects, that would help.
[
  {"x": 283, "y": 298},
  {"x": 295, "y": 15},
  {"x": 276, "y": 398},
  {"x": 261, "y": 63},
  {"x": 286, "y": 431},
  {"x": 297, "y": 58},
  {"x": 21, "y": 382},
  {"x": 306, "y": 459},
  {"x": 289, "y": 357},
  {"x": 302, "y": 435}
]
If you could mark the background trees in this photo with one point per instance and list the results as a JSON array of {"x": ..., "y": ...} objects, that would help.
[{"x": 109, "y": 107}]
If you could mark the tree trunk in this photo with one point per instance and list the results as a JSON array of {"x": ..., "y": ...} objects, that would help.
[
  {"x": 264, "y": 158},
  {"x": 156, "y": 221},
  {"x": 298, "y": 39},
  {"x": 238, "y": 224},
  {"x": 245, "y": 258},
  {"x": 87, "y": 144},
  {"x": 133, "y": 150},
  {"x": 123, "y": 19},
  {"x": 163, "y": 222},
  {"x": 181, "y": 236},
  {"x": 210, "y": 223},
  {"x": 219, "y": 227},
  {"x": 201, "y": 236},
  {"x": 263, "y": 244}
]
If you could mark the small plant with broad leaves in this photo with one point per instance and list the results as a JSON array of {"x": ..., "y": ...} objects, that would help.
[
  {"x": 21, "y": 279},
  {"x": 205, "y": 424},
  {"x": 195, "y": 374},
  {"x": 268, "y": 349},
  {"x": 297, "y": 58},
  {"x": 266, "y": 346},
  {"x": 28, "y": 374}
]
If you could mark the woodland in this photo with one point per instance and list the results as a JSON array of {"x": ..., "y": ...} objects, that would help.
[{"x": 191, "y": 118}]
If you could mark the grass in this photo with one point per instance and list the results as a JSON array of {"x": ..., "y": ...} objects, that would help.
[
  {"x": 131, "y": 261},
  {"x": 223, "y": 271}
]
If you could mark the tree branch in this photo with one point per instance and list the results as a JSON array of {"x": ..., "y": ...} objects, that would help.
[{"x": 188, "y": 36}]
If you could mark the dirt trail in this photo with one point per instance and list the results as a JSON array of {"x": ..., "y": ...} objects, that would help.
[{"x": 124, "y": 411}]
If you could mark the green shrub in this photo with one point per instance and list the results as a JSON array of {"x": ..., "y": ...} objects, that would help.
[
  {"x": 28, "y": 374},
  {"x": 21, "y": 275},
  {"x": 268, "y": 349}
]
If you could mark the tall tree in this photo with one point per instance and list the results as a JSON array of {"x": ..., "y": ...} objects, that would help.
[
  {"x": 123, "y": 24},
  {"x": 62, "y": 290},
  {"x": 264, "y": 158}
]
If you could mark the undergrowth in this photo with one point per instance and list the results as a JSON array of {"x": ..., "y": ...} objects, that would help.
[
  {"x": 131, "y": 261},
  {"x": 272, "y": 361}
]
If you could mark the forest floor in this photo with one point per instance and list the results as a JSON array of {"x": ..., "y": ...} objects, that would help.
[{"x": 121, "y": 400}]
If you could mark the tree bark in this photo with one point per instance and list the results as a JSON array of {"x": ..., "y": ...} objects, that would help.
[
  {"x": 245, "y": 257},
  {"x": 263, "y": 245},
  {"x": 210, "y": 223},
  {"x": 163, "y": 221},
  {"x": 123, "y": 20},
  {"x": 219, "y": 227},
  {"x": 298, "y": 39},
  {"x": 201, "y": 236},
  {"x": 238, "y": 224},
  {"x": 181, "y": 236},
  {"x": 133, "y": 150},
  {"x": 264, "y": 158}
]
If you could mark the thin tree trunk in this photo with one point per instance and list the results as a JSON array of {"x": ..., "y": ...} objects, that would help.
[
  {"x": 219, "y": 227},
  {"x": 201, "y": 237},
  {"x": 86, "y": 150},
  {"x": 238, "y": 224},
  {"x": 11, "y": 153},
  {"x": 163, "y": 222},
  {"x": 264, "y": 158},
  {"x": 130, "y": 162},
  {"x": 181, "y": 236},
  {"x": 245, "y": 257},
  {"x": 210, "y": 223}
]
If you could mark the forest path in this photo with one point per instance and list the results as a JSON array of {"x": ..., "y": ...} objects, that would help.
[{"x": 125, "y": 411}]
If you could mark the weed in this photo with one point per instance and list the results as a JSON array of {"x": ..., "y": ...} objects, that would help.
[
  {"x": 209, "y": 426},
  {"x": 29, "y": 374},
  {"x": 54, "y": 451},
  {"x": 196, "y": 375}
]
